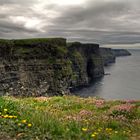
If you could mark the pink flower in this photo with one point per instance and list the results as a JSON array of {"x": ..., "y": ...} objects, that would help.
[
  {"x": 124, "y": 107},
  {"x": 85, "y": 113},
  {"x": 99, "y": 103}
]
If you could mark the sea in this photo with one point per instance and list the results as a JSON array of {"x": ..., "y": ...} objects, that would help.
[{"x": 121, "y": 81}]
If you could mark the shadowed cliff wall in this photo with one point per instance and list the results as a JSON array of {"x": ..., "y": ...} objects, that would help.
[{"x": 47, "y": 67}]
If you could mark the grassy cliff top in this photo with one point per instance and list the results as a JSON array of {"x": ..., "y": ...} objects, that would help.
[
  {"x": 5, "y": 42},
  {"x": 69, "y": 118},
  {"x": 54, "y": 41}
]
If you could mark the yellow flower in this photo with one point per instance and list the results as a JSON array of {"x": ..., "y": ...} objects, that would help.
[
  {"x": 106, "y": 129},
  {"x": 5, "y": 110},
  {"x": 85, "y": 120},
  {"x": 19, "y": 124},
  {"x": 23, "y": 121},
  {"x": 29, "y": 125},
  {"x": 116, "y": 132},
  {"x": 10, "y": 117},
  {"x": 84, "y": 129},
  {"x": 5, "y": 116},
  {"x": 93, "y": 135}
]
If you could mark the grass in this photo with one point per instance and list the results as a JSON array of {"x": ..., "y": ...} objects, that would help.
[
  {"x": 54, "y": 41},
  {"x": 68, "y": 118}
]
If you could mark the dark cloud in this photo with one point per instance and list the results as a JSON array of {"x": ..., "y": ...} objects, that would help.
[{"x": 100, "y": 21}]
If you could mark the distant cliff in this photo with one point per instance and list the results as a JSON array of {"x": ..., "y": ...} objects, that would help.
[
  {"x": 47, "y": 67},
  {"x": 121, "y": 52},
  {"x": 86, "y": 61},
  {"x": 107, "y": 55}
]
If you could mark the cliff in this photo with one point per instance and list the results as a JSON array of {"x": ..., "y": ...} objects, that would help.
[
  {"x": 87, "y": 64},
  {"x": 107, "y": 55},
  {"x": 121, "y": 52},
  {"x": 47, "y": 67}
]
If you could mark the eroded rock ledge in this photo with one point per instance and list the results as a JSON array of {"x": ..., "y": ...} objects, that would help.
[{"x": 48, "y": 67}]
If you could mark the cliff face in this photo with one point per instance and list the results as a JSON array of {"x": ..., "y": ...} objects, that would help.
[
  {"x": 87, "y": 63},
  {"x": 36, "y": 67},
  {"x": 107, "y": 55},
  {"x": 121, "y": 52}
]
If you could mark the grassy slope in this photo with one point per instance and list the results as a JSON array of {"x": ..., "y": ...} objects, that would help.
[{"x": 68, "y": 118}]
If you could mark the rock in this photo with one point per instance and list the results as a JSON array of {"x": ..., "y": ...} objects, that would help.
[
  {"x": 121, "y": 52},
  {"x": 34, "y": 67},
  {"x": 86, "y": 63},
  {"x": 47, "y": 67},
  {"x": 108, "y": 56}
]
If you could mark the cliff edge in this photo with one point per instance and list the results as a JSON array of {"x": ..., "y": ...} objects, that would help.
[{"x": 47, "y": 67}]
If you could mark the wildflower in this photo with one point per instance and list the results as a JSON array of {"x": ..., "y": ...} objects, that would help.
[
  {"x": 23, "y": 121},
  {"x": 106, "y": 129},
  {"x": 15, "y": 117},
  {"x": 124, "y": 132},
  {"x": 29, "y": 125},
  {"x": 93, "y": 135},
  {"x": 116, "y": 132},
  {"x": 99, "y": 103},
  {"x": 5, "y": 110},
  {"x": 129, "y": 101},
  {"x": 19, "y": 124},
  {"x": 123, "y": 107},
  {"x": 10, "y": 117},
  {"x": 110, "y": 129},
  {"x": 83, "y": 113},
  {"x": 85, "y": 120},
  {"x": 84, "y": 129},
  {"x": 5, "y": 116}
]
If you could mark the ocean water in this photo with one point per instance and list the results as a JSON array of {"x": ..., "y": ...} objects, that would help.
[{"x": 122, "y": 81}]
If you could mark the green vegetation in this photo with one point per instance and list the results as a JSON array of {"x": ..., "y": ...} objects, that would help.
[
  {"x": 40, "y": 48},
  {"x": 54, "y": 41},
  {"x": 6, "y": 42},
  {"x": 68, "y": 118}
]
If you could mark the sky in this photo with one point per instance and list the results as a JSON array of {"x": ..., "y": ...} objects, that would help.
[{"x": 107, "y": 22}]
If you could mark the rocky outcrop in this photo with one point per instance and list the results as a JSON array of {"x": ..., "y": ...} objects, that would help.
[
  {"x": 87, "y": 64},
  {"x": 47, "y": 67},
  {"x": 121, "y": 52},
  {"x": 108, "y": 56}
]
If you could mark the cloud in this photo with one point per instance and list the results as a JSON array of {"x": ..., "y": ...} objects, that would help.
[{"x": 100, "y": 21}]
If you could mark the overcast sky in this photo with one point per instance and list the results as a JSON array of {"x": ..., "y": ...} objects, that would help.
[{"x": 99, "y": 21}]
